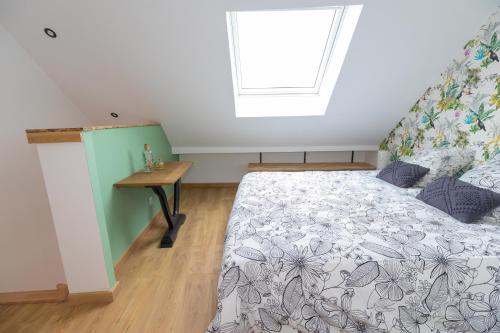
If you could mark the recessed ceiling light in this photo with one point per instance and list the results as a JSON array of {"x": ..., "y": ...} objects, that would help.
[
  {"x": 49, "y": 32},
  {"x": 114, "y": 114}
]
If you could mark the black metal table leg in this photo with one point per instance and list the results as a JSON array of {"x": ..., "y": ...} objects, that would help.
[
  {"x": 174, "y": 221},
  {"x": 177, "y": 195}
]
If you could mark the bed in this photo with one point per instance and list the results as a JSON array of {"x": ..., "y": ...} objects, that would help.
[{"x": 346, "y": 252}]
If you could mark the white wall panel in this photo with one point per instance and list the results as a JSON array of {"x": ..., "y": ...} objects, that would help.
[
  {"x": 329, "y": 156},
  {"x": 372, "y": 158},
  {"x": 282, "y": 157},
  {"x": 217, "y": 168},
  {"x": 67, "y": 181},
  {"x": 230, "y": 168}
]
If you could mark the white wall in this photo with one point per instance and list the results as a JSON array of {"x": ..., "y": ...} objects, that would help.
[
  {"x": 29, "y": 256},
  {"x": 372, "y": 158},
  {"x": 217, "y": 168},
  {"x": 74, "y": 215},
  {"x": 230, "y": 168}
]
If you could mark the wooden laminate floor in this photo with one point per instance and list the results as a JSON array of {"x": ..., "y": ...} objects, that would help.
[{"x": 162, "y": 290}]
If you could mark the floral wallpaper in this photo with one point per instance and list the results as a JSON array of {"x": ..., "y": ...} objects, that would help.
[{"x": 462, "y": 110}]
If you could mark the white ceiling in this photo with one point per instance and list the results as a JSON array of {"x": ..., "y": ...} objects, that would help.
[{"x": 168, "y": 61}]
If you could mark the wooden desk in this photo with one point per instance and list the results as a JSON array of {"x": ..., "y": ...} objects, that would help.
[
  {"x": 170, "y": 175},
  {"x": 296, "y": 167}
]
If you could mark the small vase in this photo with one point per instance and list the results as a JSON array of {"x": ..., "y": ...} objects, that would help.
[{"x": 148, "y": 158}]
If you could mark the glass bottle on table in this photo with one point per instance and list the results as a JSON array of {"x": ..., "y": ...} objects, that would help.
[{"x": 148, "y": 158}]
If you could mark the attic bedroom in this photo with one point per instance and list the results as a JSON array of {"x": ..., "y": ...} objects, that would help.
[{"x": 250, "y": 166}]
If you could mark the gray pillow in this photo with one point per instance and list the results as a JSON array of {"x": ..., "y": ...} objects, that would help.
[
  {"x": 461, "y": 200},
  {"x": 441, "y": 162},
  {"x": 402, "y": 174}
]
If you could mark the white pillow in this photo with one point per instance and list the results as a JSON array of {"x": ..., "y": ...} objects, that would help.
[
  {"x": 441, "y": 162},
  {"x": 486, "y": 176}
]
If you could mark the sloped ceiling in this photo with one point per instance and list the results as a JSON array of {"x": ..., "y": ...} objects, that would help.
[{"x": 168, "y": 61}]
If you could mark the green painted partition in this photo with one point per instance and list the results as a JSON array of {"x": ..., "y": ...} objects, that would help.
[{"x": 114, "y": 154}]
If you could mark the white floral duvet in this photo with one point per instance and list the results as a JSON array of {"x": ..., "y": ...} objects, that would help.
[{"x": 347, "y": 252}]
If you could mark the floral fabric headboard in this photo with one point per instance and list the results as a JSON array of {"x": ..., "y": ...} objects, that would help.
[{"x": 462, "y": 110}]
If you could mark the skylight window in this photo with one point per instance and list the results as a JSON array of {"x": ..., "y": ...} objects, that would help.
[
  {"x": 286, "y": 62},
  {"x": 282, "y": 51}
]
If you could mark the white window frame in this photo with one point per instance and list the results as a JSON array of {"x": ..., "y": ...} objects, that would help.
[
  {"x": 232, "y": 19},
  {"x": 283, "y": 103}
]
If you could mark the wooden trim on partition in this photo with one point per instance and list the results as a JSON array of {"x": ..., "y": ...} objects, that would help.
[
  {"x": 104, "y": 127},
  {"x": 60, "y": 294},
  {"x": 209, "y": 185},
  {"x": 54, "y": 136},
  {"x": 57, "y": 135},
  {"x": 95, "y": 296}
]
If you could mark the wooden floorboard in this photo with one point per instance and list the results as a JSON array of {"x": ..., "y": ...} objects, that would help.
[{"x": 162, "y": 290}]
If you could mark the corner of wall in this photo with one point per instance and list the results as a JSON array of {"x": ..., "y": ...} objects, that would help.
[{"x": 99, "y": 207}]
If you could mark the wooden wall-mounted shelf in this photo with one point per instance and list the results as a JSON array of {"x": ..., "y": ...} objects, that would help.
[{"x": 294, "y": 167}]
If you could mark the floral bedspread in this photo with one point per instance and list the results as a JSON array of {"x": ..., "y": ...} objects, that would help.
[{"x": 346, "y": 252}]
